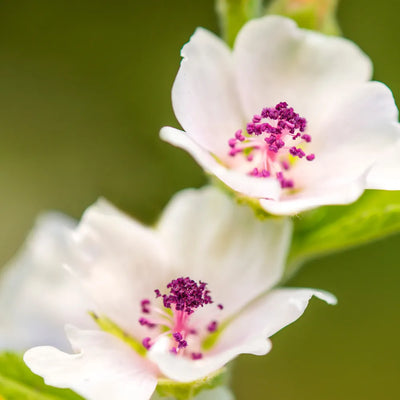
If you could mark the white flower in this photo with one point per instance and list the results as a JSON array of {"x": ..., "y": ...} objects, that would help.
[
  {"x": 288, "y": 117},
  {"x": 189, "y": 295},
  {"x": 37, "y": 295}
]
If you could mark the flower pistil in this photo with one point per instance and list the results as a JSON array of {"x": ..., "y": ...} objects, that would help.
[
  {"x": 266, "y": 144},
  {"x": 174, "y": 318}
]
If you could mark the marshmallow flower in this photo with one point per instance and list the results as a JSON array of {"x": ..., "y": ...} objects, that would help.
[
  {"x": 189, "y": 296},
  {"x": 288, "y": 117},
  {"x": 37, "y": 295}
]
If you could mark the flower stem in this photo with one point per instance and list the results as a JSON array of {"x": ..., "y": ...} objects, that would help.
[{"x": 233, "y": 14}]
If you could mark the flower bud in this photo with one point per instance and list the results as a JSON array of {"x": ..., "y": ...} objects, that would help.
[{"x": 317, "y": 15}]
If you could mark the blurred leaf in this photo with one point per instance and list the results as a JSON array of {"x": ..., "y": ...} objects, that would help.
[
  {"x": 17, "y": 382},
  {"x": 330, "y": 229}
]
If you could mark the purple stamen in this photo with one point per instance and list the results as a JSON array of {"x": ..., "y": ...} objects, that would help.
[
  {"x": 268, "y": 135},
  {"x": 250, "y": 128},
  {"x": 239, "y": 136},
  {"x": 197, "y": 356},
  {"x": 146, "y": 322},
  {"x": 184, "y": 298},
  {"x": 310, "y": 157},
  {"x": 212, "y": 326},
  {"x": 146, "y": 343},
  {"x": 186, "y": 295},
  {"x": 145, "y": 306},
  {"x": 182, "y": 344}
]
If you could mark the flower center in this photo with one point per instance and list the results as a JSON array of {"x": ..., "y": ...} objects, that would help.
[
  {"x": 173, "y": 319},
  {"x": 271, "y": 142}
]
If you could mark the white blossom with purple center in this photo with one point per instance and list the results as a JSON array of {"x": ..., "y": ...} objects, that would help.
[
  {"x": 289, "y": 117},
  {"x": 182, "y": 296}
]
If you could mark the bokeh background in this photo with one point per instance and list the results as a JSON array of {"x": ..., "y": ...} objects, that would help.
[{"x": 84, "y": 89}]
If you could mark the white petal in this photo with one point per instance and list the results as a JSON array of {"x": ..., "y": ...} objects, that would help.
[
  {"x": 248, "y": 333},
  {"x": 119, "y": 262},
  {"x": 213, "y": 239},
  {"x": 37, "y": 295},
  {"x": 276, "y": 61},
  {"x": 265, "y": 317},
  {"x": 385, "y": 174},
  {"x": 183, "y": 369},
  {"x": 352, "y": 133},
  {"x": 268, "y": 315},
  {"x": 345, "y": 192},
  {"x": 103, "y": 368},
  {"x": 238, "y": 181},
  {"x": 204, "y": 95}
]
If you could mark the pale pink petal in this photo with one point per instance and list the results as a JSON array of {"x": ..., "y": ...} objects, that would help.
[
  {"x": 184, "y": 369},
  {"x": 213, "y": 239},
  {"x": 385, "y": 174},
  {"x": 344, "y": 192},
  {"x": 37, "y": 295},
  {"x": 248, "y": 333},
  {"x": 238, "y": 181},
  {"x": 266, "y": 316},
  {"x": 102, "y": 368},
  {"x": 350, "y": 135},
  {"x": 204, "y": 95},
  {"x": 276, "y": 61},
  {"x": 119, "y": 262}
]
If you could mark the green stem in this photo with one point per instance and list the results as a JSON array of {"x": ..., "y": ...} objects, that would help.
[{"x": 233, "y": 14}]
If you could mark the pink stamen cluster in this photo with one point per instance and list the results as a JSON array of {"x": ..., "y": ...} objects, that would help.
[
  {"x": 185, "y": 296},
  {"x": 268, "y": 135}
]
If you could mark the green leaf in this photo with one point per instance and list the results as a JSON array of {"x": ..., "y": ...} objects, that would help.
[
  {"x": 330, "y": 229},
  {"x": 17, "y": 382},
  {"x": 233, "y": 14}
]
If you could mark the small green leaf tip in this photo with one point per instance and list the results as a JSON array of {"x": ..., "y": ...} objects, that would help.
[
  {"x": 233, "y": 14},
  {"x": 316, "y": 15},
  {"x": 17, "y": 382}
]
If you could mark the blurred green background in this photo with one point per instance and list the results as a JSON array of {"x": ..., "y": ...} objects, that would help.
[{"x": 84, "y": 89}]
